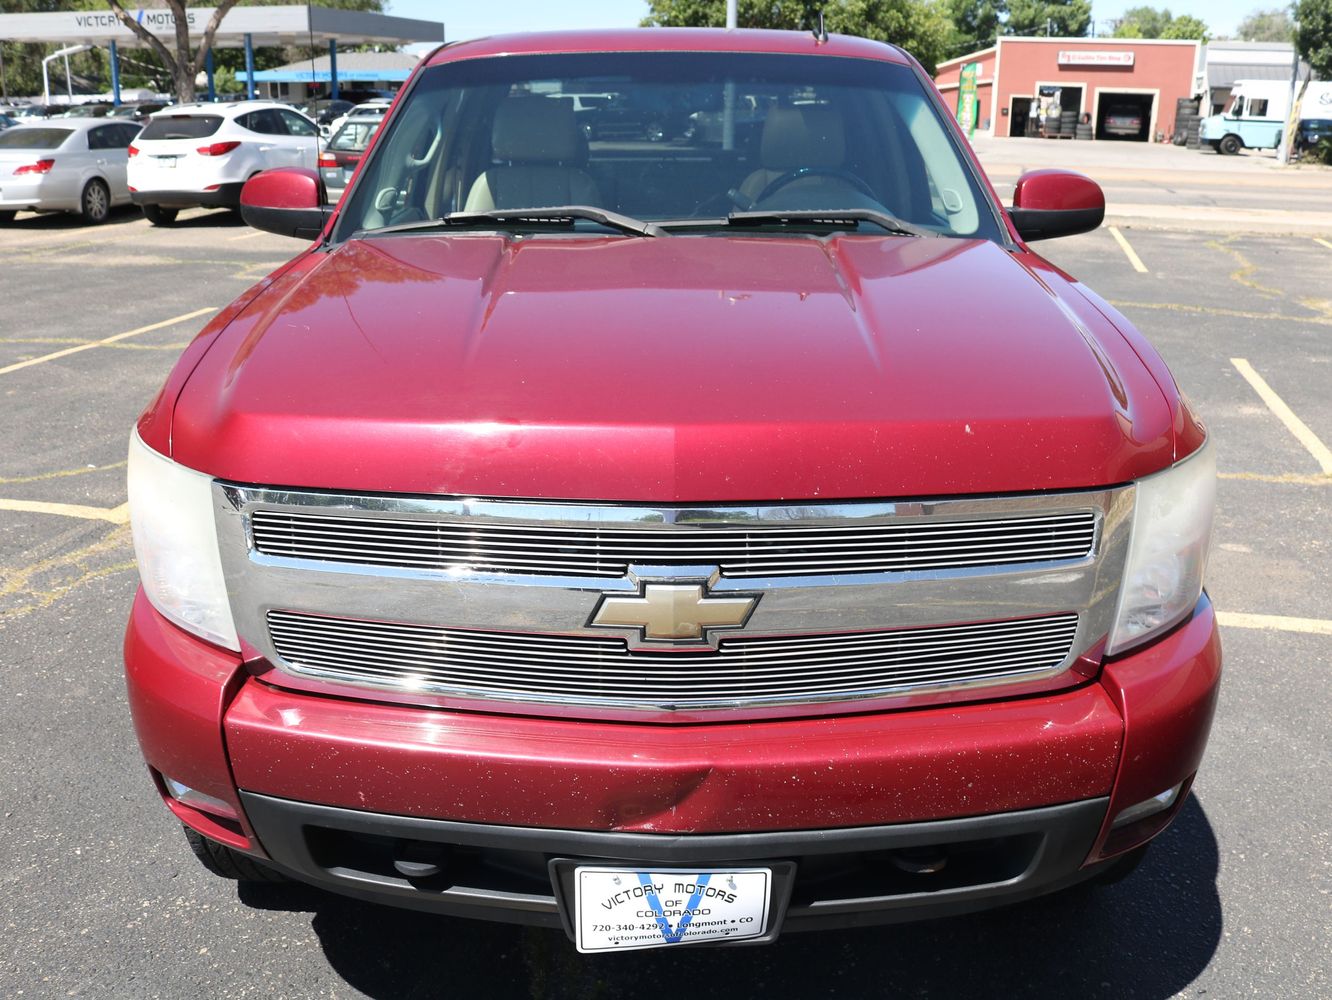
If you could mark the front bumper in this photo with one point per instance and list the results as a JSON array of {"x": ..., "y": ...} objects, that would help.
[{"x": 304, "y": 773}]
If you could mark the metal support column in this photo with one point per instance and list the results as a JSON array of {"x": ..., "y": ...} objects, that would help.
[
  {"x": 249, "y": 67},
  {"x": 208, "y": 69},
  {"x": 115, "y": 75},
  {"x": 333, "y": 68}
]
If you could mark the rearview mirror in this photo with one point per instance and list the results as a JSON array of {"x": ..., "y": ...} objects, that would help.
[
  {"x": 288, "y": 201},
  {"x": 1050, "y": 203}
]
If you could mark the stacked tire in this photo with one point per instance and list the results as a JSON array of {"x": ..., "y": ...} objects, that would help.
[
  {"x": 1187, "y": 120},
  {"x": 1052, "y": 129},
  {"x": 1084, "y": 130},
  {"x": 1068, "y": 124}
]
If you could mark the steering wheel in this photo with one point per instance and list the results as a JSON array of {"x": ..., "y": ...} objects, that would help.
[{"x": 791, "y": 176}]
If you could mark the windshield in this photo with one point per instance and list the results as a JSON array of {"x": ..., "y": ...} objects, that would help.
[
  {"x": 669, "y": 136},
  {"x": 353, "y": 137}
]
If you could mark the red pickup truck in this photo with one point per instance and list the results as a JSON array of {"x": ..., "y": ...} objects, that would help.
[{"x": 672, "y": 542}]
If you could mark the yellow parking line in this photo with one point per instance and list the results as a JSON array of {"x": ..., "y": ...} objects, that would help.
[
  {"x": 245, "y": 236},
  {"x": 116, "y": 515},
  {"x": 107, "y": 340},
  {"x": 1294, "y": 424},
  {"x": 1133, "y": 258},
  {"x": 1280, "y": 623},
  {"x": 1325, "y": 243}
]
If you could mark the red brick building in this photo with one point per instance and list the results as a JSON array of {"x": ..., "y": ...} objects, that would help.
[{"x": 1127, "y": 80}]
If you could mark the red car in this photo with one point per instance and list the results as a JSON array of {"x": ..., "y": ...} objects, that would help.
[{"x": 674, "y": 545}]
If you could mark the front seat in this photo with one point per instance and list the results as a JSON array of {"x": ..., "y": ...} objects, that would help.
[
  {"x": 807, "y": 135},
  {"x": 539, "y": 154}
]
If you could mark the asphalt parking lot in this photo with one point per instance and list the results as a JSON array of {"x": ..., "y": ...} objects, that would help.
[{"x": 99, "y": 896}]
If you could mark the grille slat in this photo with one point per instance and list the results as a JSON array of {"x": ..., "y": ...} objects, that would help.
[
  {"x": 593, "y": 669},
  {"x": 767, "y": 550}
]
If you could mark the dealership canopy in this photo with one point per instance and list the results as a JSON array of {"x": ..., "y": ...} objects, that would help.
[{"x": 242, "y": 27}]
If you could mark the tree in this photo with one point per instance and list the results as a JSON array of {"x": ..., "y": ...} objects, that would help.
[
  {"x": 1143, "y": 22},
  {"x": 1266, "y": 26},
  {"x": 976, "y": 23},
  {"x": 182, "y": 66},
  {"x": 1187, "y": 28},
  {"x": 1056, "y": 18},
  {"x": 1313, "y": 38},
  {"x": 918, "y": 26}
]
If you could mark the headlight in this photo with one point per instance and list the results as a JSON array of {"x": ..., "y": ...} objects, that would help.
[
  {"x": 175, "y": 541},
  {"x": 1172, "y": 531}
]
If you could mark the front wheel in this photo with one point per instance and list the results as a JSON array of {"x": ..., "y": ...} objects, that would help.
[
  {"x": 6, "y": 217},
  {"x": 159, "y": 216},
  {"x": 95, "y": 203},
  {"x": 223, "y": 862},
  {"x": 1231, "y": 145}
]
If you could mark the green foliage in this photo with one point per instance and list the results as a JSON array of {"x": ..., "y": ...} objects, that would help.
[
  {"x": 1058, "y": 18},
  {"x": 975, "y": 23},
  {"x": 919, "y": 26},
  {"x": 1187, "y": 28},
  {"x": 1272, "y": 25},
  {"x": 1313, "y": 38},
  {"x": 1143, "y": 22}
]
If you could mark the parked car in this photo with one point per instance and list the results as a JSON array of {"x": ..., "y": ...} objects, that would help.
[
  {"x": 65, "y": 165},
  {"x": 138, "y": 110},
  {"x": 1123, "y": 120},
  {"x": 551, "y": 541},
  {"x": 1312, "y": 132},
  {"x": 338, "y": 160},
  {"x": 368, "y": 109},
  {"x": 93, "y": 109},
  {"x": 323, "y": 110},
  {"x": 8, "y": 121},
  {"x": 31, "y": 111},
  {"x": 202, "y": 154}
]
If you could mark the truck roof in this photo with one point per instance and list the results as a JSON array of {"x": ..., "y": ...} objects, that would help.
[{"x": 668, "y": 40}]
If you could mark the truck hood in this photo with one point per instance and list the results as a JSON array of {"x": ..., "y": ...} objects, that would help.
[{"x": 676, "y": 369}]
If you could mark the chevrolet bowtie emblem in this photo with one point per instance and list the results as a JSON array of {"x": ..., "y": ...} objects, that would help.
[{"x": 669, "y": 611}]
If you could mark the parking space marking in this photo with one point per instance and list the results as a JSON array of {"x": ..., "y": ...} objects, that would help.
[
  {"x": 1133, "y": 258},
  {"x": 1325, "y": 243},
  {"x": 1186, "y": 307},
  {"x": 82, "y": 470},
  {"x": 1284, "y": 479},
  {"x": 1279, "y": 623},
  {"x": 107, "y": 340},
  {"x": 116, "y": 515},
  {"x": 245, "y": 236},
  {"x": 1278, "y": 406}
]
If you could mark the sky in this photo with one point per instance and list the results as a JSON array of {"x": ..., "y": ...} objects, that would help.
[{"x": 472, "y": 19}]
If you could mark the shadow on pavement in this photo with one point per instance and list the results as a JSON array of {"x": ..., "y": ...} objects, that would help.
[
  {"x": 1149, "y": 936},
  {"x": 53, "y": 222}
]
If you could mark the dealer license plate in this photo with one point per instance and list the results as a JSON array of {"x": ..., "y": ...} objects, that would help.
[{"x": 624, "y": 909}]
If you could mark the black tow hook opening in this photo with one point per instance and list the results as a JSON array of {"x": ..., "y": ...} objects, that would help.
[
  {"x": 419, "y": 859},
  {"x": 919, "y": 860}
]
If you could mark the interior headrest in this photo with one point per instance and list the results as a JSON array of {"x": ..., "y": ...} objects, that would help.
[
  {"x": 536, "y": 130},
  {"x": 807, "y": 135}
]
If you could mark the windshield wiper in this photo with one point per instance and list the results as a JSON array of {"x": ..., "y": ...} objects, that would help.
[
  {"x": 839, "y": 218},
  {"x": 564, "y": 215}
]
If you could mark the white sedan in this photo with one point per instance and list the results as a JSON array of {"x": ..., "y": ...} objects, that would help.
[
  {"x": 202, "y": 154},
  {"x": 65, "y": 165}
]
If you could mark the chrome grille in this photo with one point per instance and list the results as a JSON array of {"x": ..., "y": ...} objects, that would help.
[
  {"x": 580, "y": 669},
  {"x": 740, "y": 551}
]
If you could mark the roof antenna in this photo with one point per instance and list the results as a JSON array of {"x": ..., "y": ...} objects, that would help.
[{"x": 820, "y": 33}]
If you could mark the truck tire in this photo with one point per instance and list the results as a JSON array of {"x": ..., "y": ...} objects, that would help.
[
  {"x": 95, "y": 202},
  {"x": 159, "y": 216},
  {"x": 223, "y": 862},
  {"x": 1230, "y": 145}
]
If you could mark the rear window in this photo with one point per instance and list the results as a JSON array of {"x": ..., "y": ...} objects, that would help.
[
  {"x": 181, "y": 126},
  {"x": 32, "y": 137},
  {"x": 353, "y": 137}
]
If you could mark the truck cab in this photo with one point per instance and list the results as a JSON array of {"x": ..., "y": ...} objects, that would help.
[{"x": 1253, "y": 118}]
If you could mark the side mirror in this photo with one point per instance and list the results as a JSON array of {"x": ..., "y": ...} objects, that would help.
[
  {"x": 288, "y": 201},
  {"x": 1050, "y": 203}
]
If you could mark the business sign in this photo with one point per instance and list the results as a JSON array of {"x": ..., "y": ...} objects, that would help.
[
  {"x": 1093, "y": 57},
  {"x": 966, "y": 98}
]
